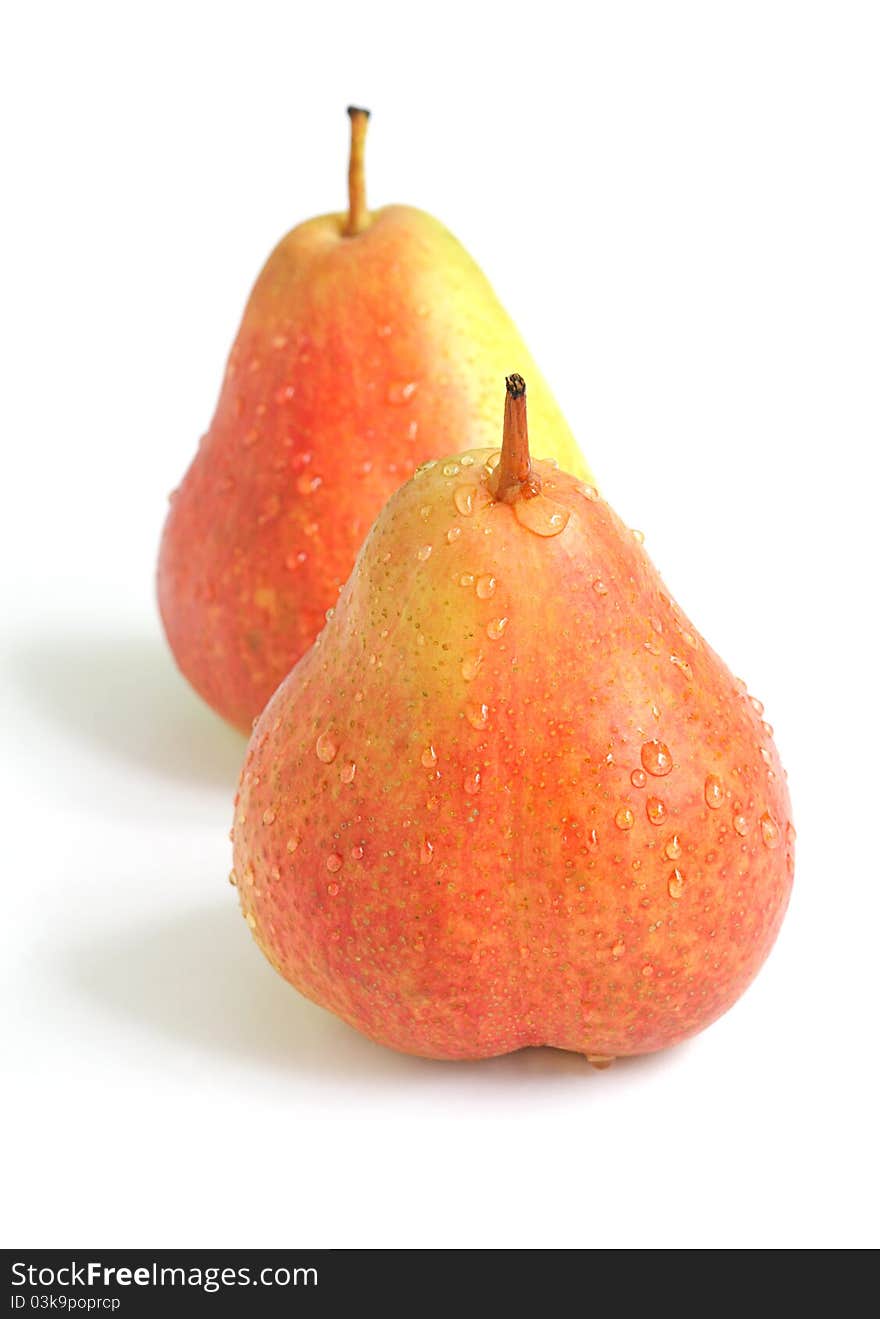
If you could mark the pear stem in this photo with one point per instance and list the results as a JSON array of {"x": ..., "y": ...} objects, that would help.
[
  {"x": 513, "y": 478},
  {"x": 358, "y": 215}
]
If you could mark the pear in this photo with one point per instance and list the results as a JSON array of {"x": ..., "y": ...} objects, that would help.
[
  {"x": 358, "y": 326},
  {"x": 511, "y": 797}
]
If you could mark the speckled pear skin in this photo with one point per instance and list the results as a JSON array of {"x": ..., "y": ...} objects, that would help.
[
  {"x": 332, "y": 396},
  {"x": 511, "y": 797}
]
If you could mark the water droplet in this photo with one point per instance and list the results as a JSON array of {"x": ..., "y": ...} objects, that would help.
[
  {"x": 766, "y": 756},
  {"x": 268, "y": 816},
  {"x": 426, "y": 852},
  {"x": 401, "y": 391},
  {"x": 541, "y": 516},
  {"x": 713, "y": 792},
  {"x": 601, "y": 1061},
  {"x": 486, "y": 586},
  {"x": 451, "y": 469},
  {"x": 307, "y": 484},
  {"x": 477, "y": 715},
  {"x": 472, "y": 783},
  {"x": 656, "y": 758},
  {"x": 768, "y": 728},
  {"x": 348, "y": 772},
  {"x": 769, "y": 831},
  {"x": 673, "y": 848},
  {"x": 233, "y": 878},
  {"x": 589, "y": 492},
  {"x": 741, "y": 825},
  {"x": 638, "y": 778},
  {"x": 463, "y": 498},
  {"x": 424, "y": 552},
  {"x": 429, "y": 757},
  {"x": 330, "y": 614},
  {"x": 467, "y": 460},
  {"x": 675, "y": 884},
  {"x": 334, "y": 862},
  {"x": 326, "y": 748},
  {"x": 425, "y": 512},
  {"x": 292, "y": 845},
  {"x": 638, "y": 536},
  {"x": 251, "y": 920},
  {"x": 466, "y": 579},
  {"x": 756, "y": 705},
  {"x": 618, "y": 948},
  {"x": 655, "y": 810},
  {"x": 470, "y": 666},
  {"x": 453, "y": 534},
  {"x": 647, "y": 970},
  {"x": 495, "y": 628},
  {"x": 624, "y": 819},
  {"x": 682, "y": 664},
  {"x": 599, "y": 587}
]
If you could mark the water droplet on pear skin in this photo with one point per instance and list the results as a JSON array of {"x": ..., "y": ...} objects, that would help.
[
  {"x": 401, "y": 391},
  {"x": 472, "y": 783},
  {"x": 624, "y": 819},
  {"x": 656, "y": 758},
  {"x": 268, "y": 816},
  {"x": 426, "y": 852},
  {"x": 713, "y": 792},
  {"x": 326, "y": 748},
  {"x": 601, "y": 1061},
  {"x": 477, "y": 716},
  {"x": 541, "y": 516},
  {"x": 453, "y": 534},
  {"x": 348, "y": 772},
  {"x": 675, "y": 884},
  {"x": 682, "y": 664},
  {"x": 334, "y": 862},
  {"x": 495, "y": 628},
  {"x": 638, "y": 778},
  {"x": 429, "y": 757},
  {"x": 599, "y": 587},
  {"x": 463, "y": 498},
  {"x": 470, "y": 666},
  {"x": 451, "y": 469},
  {"x": 741, "y": 825},
  {"x": 485, "y": 587},
  {"x": 424, "y": 553},
  {"x": 589, "y": 492},
  {"x": 647, "y": 970},
  {"x": 466, "y": 579},
  {"x": 673, "y": 848},
  {"x": 618, "y": 949},
  {"x": 770, "y": 835},
  {"x": 655, "y": 810}
]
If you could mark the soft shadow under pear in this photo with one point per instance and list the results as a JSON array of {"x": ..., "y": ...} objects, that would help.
[{"x": 124, "y": 695}]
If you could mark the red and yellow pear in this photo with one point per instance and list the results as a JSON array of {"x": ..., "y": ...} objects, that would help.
[
  {"x": 511, "y": 796},
  {"x": 371, "y": 340}
]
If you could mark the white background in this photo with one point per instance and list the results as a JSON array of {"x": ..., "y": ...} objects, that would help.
[{"x": 679, "y": 204}]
